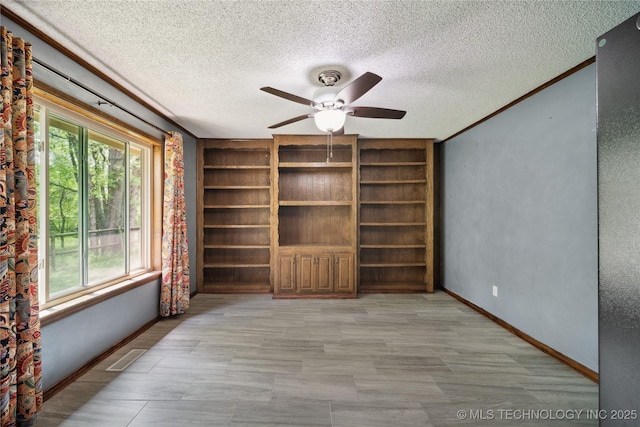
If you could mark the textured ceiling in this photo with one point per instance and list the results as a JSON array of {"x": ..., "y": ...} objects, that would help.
[{"x": 447, "y": 63}]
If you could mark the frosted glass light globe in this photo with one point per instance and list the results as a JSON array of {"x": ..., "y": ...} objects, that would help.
[{"x": 330, "y": 120}]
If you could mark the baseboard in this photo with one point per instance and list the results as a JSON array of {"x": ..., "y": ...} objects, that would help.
[
  {"x": 580, "y": 368},
  {"x": 60, "y": 385}
]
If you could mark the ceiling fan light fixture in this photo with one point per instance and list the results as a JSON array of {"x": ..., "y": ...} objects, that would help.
[
  {"x": 330, "y": 120},
  {"x": 333, "y": 107}
]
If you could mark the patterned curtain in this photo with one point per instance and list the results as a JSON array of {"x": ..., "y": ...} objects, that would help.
[
  {"x": 174, "y": 294},
  {"x": 20, "y": 364}
]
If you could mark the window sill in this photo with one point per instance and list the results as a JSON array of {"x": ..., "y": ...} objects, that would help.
[{"x": 65, "y": 309}]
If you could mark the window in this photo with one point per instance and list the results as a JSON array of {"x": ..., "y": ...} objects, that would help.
[{"x": 94, "y": 199}]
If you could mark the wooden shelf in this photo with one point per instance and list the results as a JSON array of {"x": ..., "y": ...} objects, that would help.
[
  {"x": 236, "y": 287},
  {"x": 236, "y": 187},
  {"x": 392, "y": 287},
  {"x": 250, "y": 167},
  {"x": 390, "y": 264},
  {"x": 392, "y": 224},
  {"x": 236, "y": 246},
  {"x": 231, "y": 265},
  {"x": 392, "y": 202},
  {"x": 329, "y": 246},
  {"x": 394, "y": 182},
  {"x": 237, "y": 226},
  {"x": 315, "y": 165},
  {"x": 393, "y": 246},
  {"x": 236, "y": 206},
  {"x": 314, "y": 203},
  {"x": 392, "y": 164}
]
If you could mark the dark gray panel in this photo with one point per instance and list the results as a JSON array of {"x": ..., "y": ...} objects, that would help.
[{"x": 618, "y": 83}]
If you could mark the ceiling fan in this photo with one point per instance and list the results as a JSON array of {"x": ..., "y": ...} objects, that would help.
[{"x": 334, "y": 107}]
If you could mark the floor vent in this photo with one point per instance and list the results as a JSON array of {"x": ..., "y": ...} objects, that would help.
[{"x": 126, "y": 360}]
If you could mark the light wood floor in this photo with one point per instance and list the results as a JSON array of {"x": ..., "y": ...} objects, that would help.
[{"x": 379, "y": 360}]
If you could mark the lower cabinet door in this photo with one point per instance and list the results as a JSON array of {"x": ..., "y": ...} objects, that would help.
[
  {"x": 306, "y": 274},
  {"x": 344, "y": 273},
  {"x": 324, "y": 281},
  {"x": 286, "y": 277},
  {"x": 314, "y": 274}
]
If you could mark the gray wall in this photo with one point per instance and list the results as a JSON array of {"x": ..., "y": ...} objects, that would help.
[
  {"x": 619, "y": 220},
  {"x": 520, "y": 212},
  {"x": 70, "y": 343}
]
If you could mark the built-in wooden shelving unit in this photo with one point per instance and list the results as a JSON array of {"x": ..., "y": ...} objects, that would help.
[
  {"x": 396, "y": 215},
  {"x": 276, "y": 216},
  {"x": 235, "y": 208},
  {"x": 314, "y": 216}
]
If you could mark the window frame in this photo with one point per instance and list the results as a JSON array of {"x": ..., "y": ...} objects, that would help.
[{"x": 87, "y": 116}]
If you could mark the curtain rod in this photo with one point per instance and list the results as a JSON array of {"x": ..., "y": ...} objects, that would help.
[{"x": 103, "y": 99}]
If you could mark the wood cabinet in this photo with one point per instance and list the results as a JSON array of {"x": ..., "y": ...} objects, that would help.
[
  {"x": 314, "y": 213},
  {"x": 235, "y": 182},
  {"x": 396, "y": 215},
  {"x": 344, "y": 276},
  {"x": 299, "y": 218},
  {"x": 316, "y": 272}
]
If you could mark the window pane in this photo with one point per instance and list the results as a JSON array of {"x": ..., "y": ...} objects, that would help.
[
  {"x": 106, "y": 206},
  {"x": 37, "y": 128},
  {"x": 135, "y": 209},
  {"x": 93, "y": 194},
  {"x": 64, "y": 206}
]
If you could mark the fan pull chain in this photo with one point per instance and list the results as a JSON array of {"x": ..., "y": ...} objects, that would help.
[
  {"x": 328, "y": 133},
  {"x": 329, "y": 145}
]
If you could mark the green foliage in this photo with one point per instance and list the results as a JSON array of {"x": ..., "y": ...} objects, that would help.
[
  {"x": 64, "y": 178},
  {"x": 104, "y": 160}
]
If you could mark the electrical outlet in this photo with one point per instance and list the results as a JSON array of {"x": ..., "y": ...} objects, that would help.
[{"x": 495, "y": 291}]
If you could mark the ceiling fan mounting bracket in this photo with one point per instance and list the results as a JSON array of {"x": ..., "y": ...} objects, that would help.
[{"x": 329, "y": 77}]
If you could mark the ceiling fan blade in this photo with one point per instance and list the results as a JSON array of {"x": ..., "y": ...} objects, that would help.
[
  {"x": 286, "y": 95},
  {"x": 293, "y": 120},
  {"x": 358, "y": 87},
  {"x": 376, "y": 113}
]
